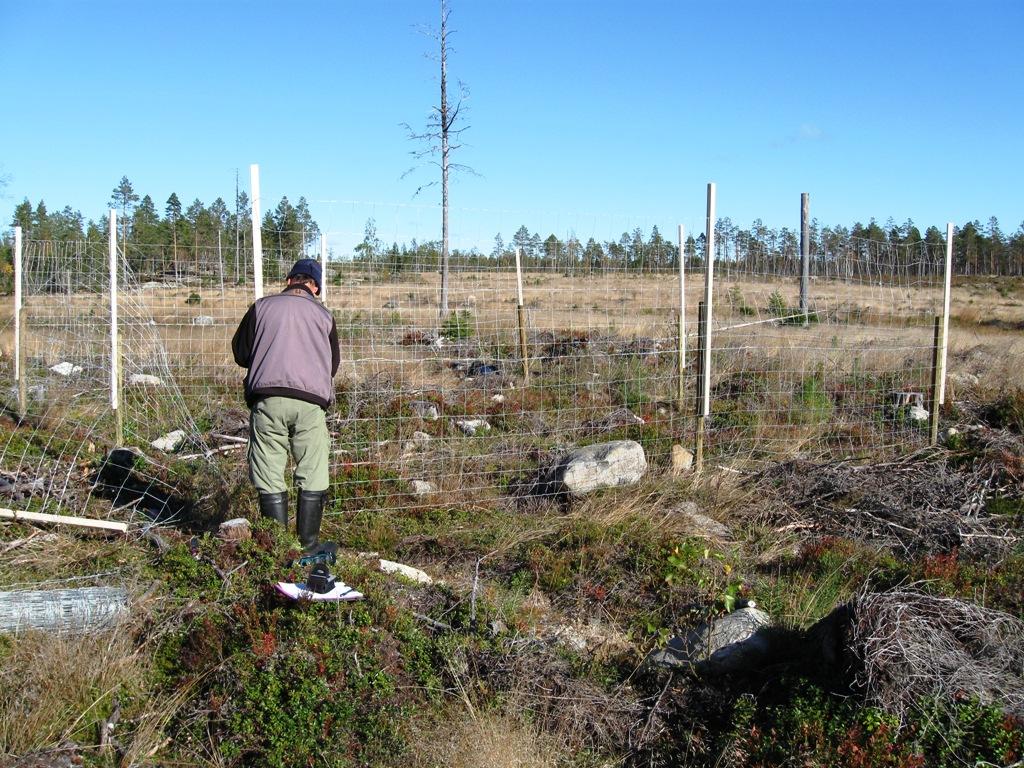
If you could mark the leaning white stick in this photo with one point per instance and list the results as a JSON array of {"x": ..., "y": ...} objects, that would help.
[{"x": 42, "y": 517}]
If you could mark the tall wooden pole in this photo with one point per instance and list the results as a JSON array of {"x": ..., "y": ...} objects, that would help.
[
  {"x": 220, "y": 261},
  {"x": 946, "y": 289},
  {"x": 115, "y": 342},
  {"x": 709, "y": 279},
  {"x": 682, "y": 321},
  {"x": 521, "y": 319},
  {"x": 19, "y": 326},
  {"x": 704, "y": 399},
  {"x": 701, "y": 420},
  {"x": 933, "y": 410},
  {"x": 323, "y": 267},
  {"x": 805, "y": 252},
  {"x": 257, "y": 235}
]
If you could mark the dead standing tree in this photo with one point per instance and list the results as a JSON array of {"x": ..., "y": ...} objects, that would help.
[{"x": 440, "y": 138}]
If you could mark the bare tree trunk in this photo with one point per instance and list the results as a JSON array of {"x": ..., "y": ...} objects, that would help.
[{"x": 444, "y": 159}]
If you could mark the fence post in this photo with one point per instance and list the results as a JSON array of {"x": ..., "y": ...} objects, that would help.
[
  {"x": 115, "y": 343},
  {"x": 705, "y": 403},
  {"x": 699, "y": 447},
  {"x": 933, "y": 411},
  {"x": 682, "y": 322},
  {"x": 19, "y": 316},
  {"x": 521, "y": 319},
  {"x": 946, "y": 289},
  {"x": 220, "y": 261},
  {"x": 257, "y": 235},
  {"x": 323, "y": 267},
  {"x": 805, "y": 252}
]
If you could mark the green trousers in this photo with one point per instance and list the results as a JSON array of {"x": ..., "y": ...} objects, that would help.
[{"x": 279, "y": 425}]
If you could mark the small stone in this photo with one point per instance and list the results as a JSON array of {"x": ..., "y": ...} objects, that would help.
[
  {"x": 470, "y": 427},
  {"x": 66, "y": 369},
  {"x": 499, "y": 398},
  {"x": 204, "y": 320},
  {"x": 917, "y": 413},
  {"x": 702, "y": 525},
  {"x": 413, "y": 574},
  {"x": 425, "y": 410},
  {"x": 682, "y": 460},
  {"x": 236, "y": 529},
  {"x": 421, "y": 438},
  {"x": 169, "y": 442},
  {"x": 948, "y": 434},
  {"x": 145, "y": 380},
  {"x": 422, "y": 487}
]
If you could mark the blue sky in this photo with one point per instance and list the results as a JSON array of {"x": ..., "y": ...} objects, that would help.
[{"x": 585, "y": 117}]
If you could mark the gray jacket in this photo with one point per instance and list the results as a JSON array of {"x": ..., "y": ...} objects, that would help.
[{"x": 289, "y": 343}]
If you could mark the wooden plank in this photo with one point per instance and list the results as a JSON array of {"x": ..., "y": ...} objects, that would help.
[{"x": 43, "y": 517}]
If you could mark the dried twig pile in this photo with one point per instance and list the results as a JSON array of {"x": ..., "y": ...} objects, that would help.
[
  {"x": 925, "y": 503},
  {"x": 915, "y": 646}
]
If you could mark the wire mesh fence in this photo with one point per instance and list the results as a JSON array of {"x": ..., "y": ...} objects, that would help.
[{"x": 435, "y": 407}]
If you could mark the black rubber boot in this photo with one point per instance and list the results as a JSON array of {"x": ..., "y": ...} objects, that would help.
[
  {"x": 275, "y": 506},
  {"x": 307, "y": 520}
]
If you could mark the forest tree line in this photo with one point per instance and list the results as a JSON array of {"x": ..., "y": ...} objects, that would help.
[{"x": 198, "y": 237}]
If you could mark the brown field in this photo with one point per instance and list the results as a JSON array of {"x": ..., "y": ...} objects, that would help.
[{"x": 869, "y": 341}]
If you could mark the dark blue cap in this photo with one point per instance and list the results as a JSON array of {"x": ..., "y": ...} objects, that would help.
[{"x": 309, "y": 267}]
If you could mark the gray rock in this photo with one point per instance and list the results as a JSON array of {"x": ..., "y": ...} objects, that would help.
[
  {"x": 917, "y": 413},
  {"x": 236, "y": 529},
  {"x": 145, "y": 380},
  {"x": 682, "y": 460},
  {"x": 169, "y": 442},
  {"x": 204, "y": 320},
  {"x": 66, "y": 368},
  {"x": 736, "y": 642},
  {"x": 702, "y": 525},
  {"x": 414, "y": 574},
  {"x": 425, "y": 410},
  {"x": 422, "y": 487},
  {"x": 603, "y": 465},
  {"x": 470, "y": 427},
  {"x": 590, "y": 637},
  {"x": 421, "y": 438}
]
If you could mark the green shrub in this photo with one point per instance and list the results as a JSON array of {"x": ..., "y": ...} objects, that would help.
[
  {"x": 777, "y": 305},
  {"x": 812, "y": 403},
  {"x": 458, "y": 325},
  {"x": 193, "y": 299}
]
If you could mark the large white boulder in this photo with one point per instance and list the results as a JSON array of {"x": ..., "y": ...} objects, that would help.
[{"x": 602, "y": 465}]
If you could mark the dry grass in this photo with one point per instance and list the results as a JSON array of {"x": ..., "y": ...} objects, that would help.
[
  {"x": 56, "y": 686},
  {"x": 484, "y": 740}
]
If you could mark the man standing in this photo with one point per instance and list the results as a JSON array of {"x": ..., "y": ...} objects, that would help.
[{"x": 289, "y": 344}]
